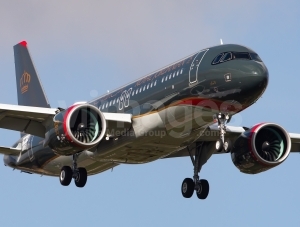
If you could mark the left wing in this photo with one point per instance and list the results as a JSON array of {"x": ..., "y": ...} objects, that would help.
[
  {"x": 32, "y": 120},
  {"x": 25, "y": 119}
]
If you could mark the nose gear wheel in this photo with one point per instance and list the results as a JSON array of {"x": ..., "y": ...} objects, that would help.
[{"x": 222, "y": 144}]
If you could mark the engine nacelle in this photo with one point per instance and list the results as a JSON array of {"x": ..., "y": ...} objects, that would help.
[
  {"x": 78, "y": 128},
  {"x": 261, "y": 148}
]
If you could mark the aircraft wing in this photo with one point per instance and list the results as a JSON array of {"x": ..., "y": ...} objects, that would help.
[
  {"x": 31, "y": 120},
  {"x": 233, "y": 132},
  {"x": 25, "y": 119}
]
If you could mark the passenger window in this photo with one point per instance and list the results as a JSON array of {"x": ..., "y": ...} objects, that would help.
[
  {"x": 227, "y": 57},
  {"x": 137, "y": 90},
  {"x": 177, "y": 73},
  {"x": 103, "y": 106},
  {"x": 162, "y": 80},
  {"x": 110, "y": 103},
  {"x": 166, "y": 78},
  {"x": 170, "y": 76},
  {"x": 151, "y": 84},
  {"x": 144, "y": 88},
  {"x": 114, "y": 101},
  {"x": 117, "y": 100},
  {"x": 155, "y": 83},
  {"x": 106, "y": 104},
  {"x": 140, "y": 89},
  {"x": 181, "y": 71},
  {"x": 132, "y": 93},
  {"x": 148, "y": 86},
  {"x": 217, "y": 59}
]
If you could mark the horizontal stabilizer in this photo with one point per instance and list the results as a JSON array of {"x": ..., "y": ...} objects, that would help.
[{"x": 10, "y": 151}]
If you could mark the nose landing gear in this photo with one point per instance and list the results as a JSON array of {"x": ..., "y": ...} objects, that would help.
[
  {"x": 78, "y": 174},
  {"x": 223, "y": 144}
]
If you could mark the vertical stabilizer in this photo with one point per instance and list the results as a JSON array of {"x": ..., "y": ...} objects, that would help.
[{"x": 29, "y": 87}]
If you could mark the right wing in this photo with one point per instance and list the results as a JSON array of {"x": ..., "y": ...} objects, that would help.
[{"x": 212, "y": 134}]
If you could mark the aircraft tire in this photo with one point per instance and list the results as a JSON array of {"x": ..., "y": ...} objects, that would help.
[
  {"x": 187, "y": 187},
  {"x": 227, "y": 146},
  {"x": 66, "y": 174},
  {"x": 219, "y": 145},
  {"x": 81, "y": 178},
  {"x": 203, "y": 193}
]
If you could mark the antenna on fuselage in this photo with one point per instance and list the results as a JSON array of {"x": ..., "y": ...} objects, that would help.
[{"x": 221, "y": 41}]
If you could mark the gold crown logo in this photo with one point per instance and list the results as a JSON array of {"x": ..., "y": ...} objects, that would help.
[{"x": 24, "y": 82}]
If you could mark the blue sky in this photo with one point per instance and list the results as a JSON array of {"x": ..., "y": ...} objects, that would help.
[{"x": 85, "y": 48}]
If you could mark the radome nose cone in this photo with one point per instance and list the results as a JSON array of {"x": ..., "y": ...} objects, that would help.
[{"x": 263, "y": 75}]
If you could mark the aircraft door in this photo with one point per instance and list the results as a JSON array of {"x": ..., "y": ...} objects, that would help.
[{"x": 193, "y": 74}]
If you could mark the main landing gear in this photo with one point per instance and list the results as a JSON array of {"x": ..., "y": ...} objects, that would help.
[
  {"x": 190, "y": 185},
  {"x": 202, "y": 153},
  {"x": 222, "y": 144},
  {"x": 78, "y": 174}
]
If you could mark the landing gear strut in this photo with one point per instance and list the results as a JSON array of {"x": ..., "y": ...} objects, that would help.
[
  {"x": 190, "y": 185},
  {"x": 78, "y": 174},
  {"x": 222, "y": 144}
]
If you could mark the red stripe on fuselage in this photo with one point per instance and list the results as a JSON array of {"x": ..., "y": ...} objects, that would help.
[{"x": 218, "y": 105}]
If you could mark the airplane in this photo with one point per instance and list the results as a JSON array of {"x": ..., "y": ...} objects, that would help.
[{"x": 181, "y": 110}]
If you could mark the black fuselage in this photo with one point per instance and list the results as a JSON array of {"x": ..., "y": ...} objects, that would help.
[{"x": 199, "y": 81}]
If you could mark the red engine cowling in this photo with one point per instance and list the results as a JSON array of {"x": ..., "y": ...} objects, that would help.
[
  {"x": 80, "y": 127},
  {"x": 261, "y": 148}
]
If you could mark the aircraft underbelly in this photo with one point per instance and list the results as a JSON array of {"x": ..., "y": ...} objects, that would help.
[{"x": 151, "y": 138}]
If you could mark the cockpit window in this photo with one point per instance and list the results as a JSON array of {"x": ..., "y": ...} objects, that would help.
[
  {"x": 227, "y": 57},
  {"x": 255, "y": 57},
  {"x": 241, "y": 55},
  {"x": 217, "y": 59}
]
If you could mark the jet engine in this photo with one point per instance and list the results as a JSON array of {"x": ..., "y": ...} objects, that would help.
[
  {"x": 261, "y": 148},
  {"x": 80, "y": 127}
]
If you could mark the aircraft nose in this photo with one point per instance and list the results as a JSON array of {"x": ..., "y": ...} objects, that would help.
[
  {"x": 261, "y": 75},
  {"x": 255, "y": 81}
]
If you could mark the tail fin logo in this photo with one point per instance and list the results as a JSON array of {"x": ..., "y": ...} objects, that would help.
[{"x": 24, "y": 82}]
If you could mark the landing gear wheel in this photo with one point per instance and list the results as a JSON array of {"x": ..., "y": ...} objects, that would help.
[
  {"x": 203, "y": 191},
  {"x": 187, "y": 187},
  {"x": 81, "y": 177},
  {"x": 227, "y": 146},
  {"x": 66, "y": 174},
  {"x": 219, "y": 145}
]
